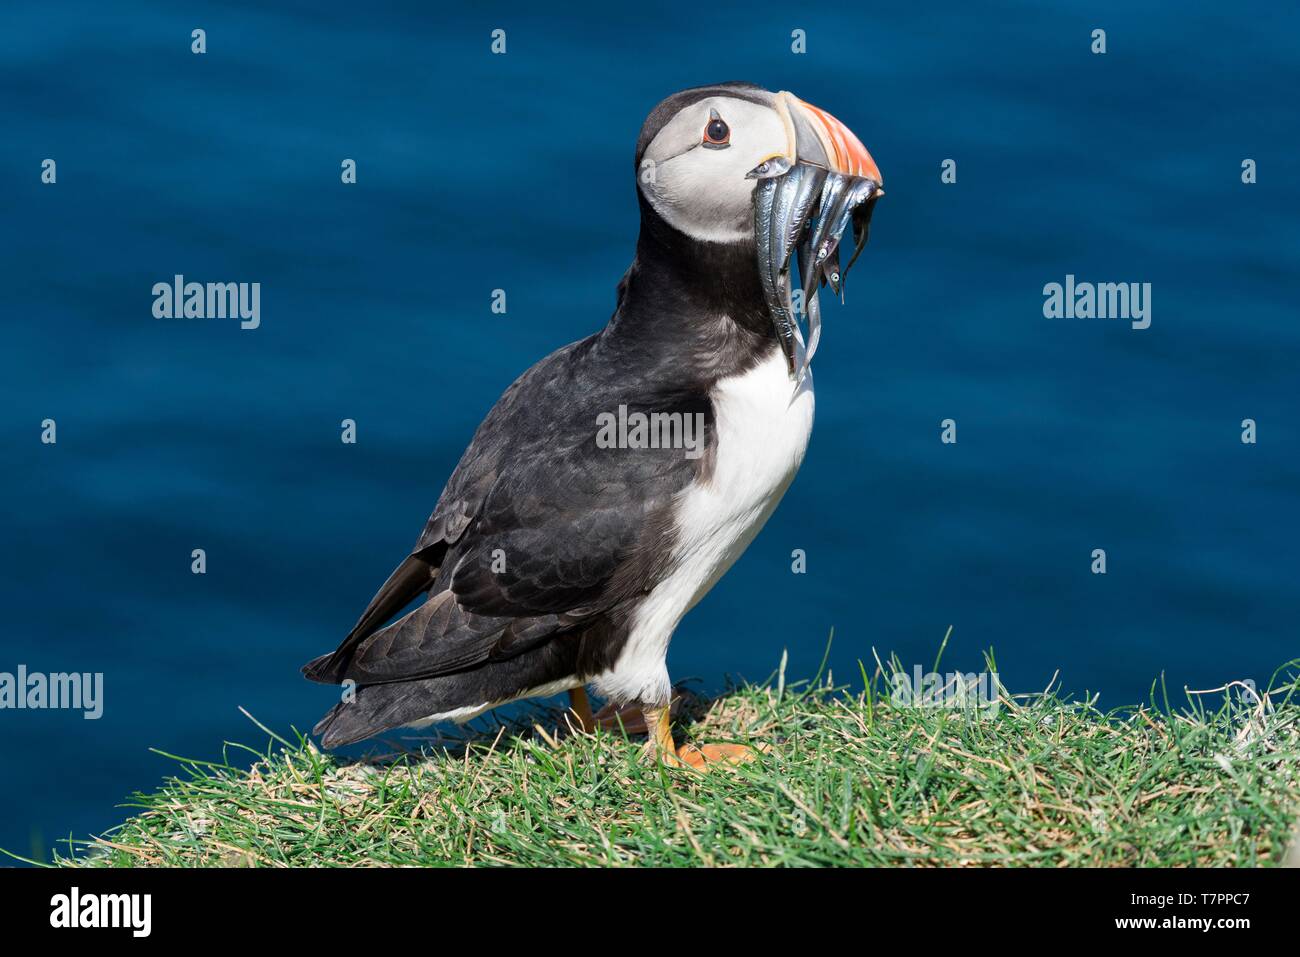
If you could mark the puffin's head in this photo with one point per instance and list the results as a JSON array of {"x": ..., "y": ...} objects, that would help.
[{"x": 736, "y": 164}]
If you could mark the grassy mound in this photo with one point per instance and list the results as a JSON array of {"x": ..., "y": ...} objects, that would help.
[{"x": 850, "y": 779}]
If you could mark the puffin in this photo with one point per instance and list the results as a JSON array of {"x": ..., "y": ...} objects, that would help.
[{"x": 562, "y": 553}]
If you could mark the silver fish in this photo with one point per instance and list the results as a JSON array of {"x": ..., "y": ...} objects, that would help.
[
  {"x": 778, "y": 304},
  {"x": 804, "y": 201},
  {"x": 805, "y": 210}
]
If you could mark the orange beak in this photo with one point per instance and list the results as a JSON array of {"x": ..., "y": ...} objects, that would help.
[{"x": 819, "y": 138}]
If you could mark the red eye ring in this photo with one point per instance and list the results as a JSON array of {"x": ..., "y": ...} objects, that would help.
[{"x": 716, "y": 132}]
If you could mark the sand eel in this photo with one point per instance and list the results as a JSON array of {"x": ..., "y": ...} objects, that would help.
[{"x": 564, "y": 551}]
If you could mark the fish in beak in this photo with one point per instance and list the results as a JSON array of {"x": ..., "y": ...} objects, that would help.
[{"x": 804, "y": 201}]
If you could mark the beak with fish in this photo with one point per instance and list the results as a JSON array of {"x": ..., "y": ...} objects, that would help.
[{"x": 804, "y": 201}]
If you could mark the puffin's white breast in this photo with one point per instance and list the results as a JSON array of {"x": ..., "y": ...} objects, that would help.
[{"x": 762, "y": 427}]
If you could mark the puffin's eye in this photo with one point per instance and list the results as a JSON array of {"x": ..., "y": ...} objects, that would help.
[{"x": 717, "y": 135}]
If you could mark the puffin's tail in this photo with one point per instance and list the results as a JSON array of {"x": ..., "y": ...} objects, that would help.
[
  {"x": 413, "y": 576},
  {"x": 366, "y": 715},
  {"x": 373, "y": 709}
]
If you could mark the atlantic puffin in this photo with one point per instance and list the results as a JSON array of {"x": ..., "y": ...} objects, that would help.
[{"x": 554, "y": 561}]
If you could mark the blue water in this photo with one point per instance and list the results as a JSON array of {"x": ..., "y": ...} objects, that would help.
[{"x": 478, "y": 172}]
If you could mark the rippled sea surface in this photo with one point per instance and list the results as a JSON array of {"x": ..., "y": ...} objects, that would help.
[{"x": 478, "y": 172}]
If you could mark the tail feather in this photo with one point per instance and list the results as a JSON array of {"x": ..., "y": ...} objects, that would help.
[
  {"x": 373, "y": 709},
  {"x": 413, "y": 576}
]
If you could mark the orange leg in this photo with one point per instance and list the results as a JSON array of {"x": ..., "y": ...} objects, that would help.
[
  {"x": 580, "y": 705},
  {"x": 629, "y": 718}
]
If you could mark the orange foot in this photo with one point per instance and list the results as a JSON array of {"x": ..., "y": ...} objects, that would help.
[
  {"x": 697, "y": 757},
  {"x": 705, "y": 757}
]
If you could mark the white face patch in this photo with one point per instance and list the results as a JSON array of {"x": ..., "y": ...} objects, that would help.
[{"x": 703, "y": 191}]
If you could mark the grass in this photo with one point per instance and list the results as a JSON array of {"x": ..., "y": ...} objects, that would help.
[{"x": 850, "y": 779}]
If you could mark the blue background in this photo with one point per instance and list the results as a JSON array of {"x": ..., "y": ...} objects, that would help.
[{"x": 479, "y": 172}]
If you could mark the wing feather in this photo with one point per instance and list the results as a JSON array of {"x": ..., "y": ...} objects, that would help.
[{"x": 533, "y": 534}]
